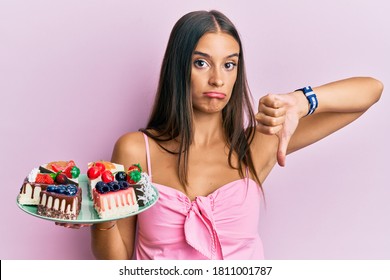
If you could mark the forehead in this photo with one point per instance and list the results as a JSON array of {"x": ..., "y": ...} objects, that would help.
[{"x": 218, "y": 44}]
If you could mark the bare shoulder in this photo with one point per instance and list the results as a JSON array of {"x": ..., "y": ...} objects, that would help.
[
  {"x": 130, "y": 141},
  {"x": 130, "y": 149},
  {"x": 264, "y": 148}
]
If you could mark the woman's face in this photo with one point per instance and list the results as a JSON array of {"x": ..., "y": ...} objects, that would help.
[{"x": 214, "y": 71}]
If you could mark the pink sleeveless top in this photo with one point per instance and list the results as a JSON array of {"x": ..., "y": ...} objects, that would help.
[{"x": 222, "y": 225}]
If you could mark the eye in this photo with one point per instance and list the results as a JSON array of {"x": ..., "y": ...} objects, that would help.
[
  {"x": 199, "y": 63},
  {"x": 230, "y": 65}
]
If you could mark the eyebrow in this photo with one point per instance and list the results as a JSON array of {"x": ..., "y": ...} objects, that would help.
[{"x": 209, "y": 56}]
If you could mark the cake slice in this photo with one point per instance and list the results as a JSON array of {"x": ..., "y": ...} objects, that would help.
[
  {"x": 121, "y": 193},
  {"x": 60, "y": 202},
  {"x": 54, "y": 173},
  {"x": 114, "y": 199}
]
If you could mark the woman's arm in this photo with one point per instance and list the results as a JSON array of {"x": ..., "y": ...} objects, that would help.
[
  {"x": 115, "y": 240},
  {"x": 340, "y": 103}
]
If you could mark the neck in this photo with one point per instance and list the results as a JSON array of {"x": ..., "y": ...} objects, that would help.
[{"x": 207, "y": 128}]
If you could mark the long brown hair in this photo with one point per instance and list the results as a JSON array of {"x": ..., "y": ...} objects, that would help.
[{"x": 171, "y": 117}]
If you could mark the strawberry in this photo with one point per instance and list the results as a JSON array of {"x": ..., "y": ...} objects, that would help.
[
  {"x": 69, "y": 165},
  {"x": 107, "y": 176},
  {"x": 56, "y": 167},
  {"x": 101, "y": 166},
  {"x": 66, "y": 171},
  {"x": 75, "y": 171},
  {"x": 49, "y": 179},
  {"x": 135, "y": 166},
  {"x": 133, "y": 176},
  {"x": 44, "y": 178},
  {"x": 59, "y": 166},
  {"x": 72, "y": 171},
  {"x": 93, "y": 172}
]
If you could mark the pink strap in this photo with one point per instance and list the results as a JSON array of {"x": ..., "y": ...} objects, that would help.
[{"x": 148, "y": 155}]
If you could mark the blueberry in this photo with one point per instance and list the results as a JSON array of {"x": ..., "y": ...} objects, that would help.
[
  {"x": 114, "y": 186},
  {"x": 61, "y": 189},
  {"x": 102, "y": 187},
  {"x": 71, "y": 190},
  {"x": 51, "y": 188},
  {"x": 120, "y": 176},
  {"x": 124, "y": 185}
]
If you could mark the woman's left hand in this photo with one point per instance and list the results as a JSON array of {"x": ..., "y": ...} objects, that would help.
[{"x": 279, "y": 114}]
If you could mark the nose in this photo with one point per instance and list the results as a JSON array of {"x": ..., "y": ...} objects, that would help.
[{"x": 216, "y": 78}]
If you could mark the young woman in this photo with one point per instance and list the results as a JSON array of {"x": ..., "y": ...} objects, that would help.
[{"x": 208, "y": 152}]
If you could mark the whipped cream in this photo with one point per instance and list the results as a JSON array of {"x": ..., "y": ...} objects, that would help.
[
  {"x": 146, "y": 187},
  {"x": 33, "y": 175}
]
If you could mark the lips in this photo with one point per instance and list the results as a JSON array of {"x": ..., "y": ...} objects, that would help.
[{"x": 214, "y": 94}]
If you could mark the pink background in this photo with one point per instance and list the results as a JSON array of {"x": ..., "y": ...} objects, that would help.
[{"x": 75, "y": 75}]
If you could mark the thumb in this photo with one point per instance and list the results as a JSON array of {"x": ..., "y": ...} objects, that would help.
[{"x": 282, "y": 149}]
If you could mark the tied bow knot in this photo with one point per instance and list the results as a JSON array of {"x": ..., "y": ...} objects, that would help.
[{"x": 199, "y": 229}]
